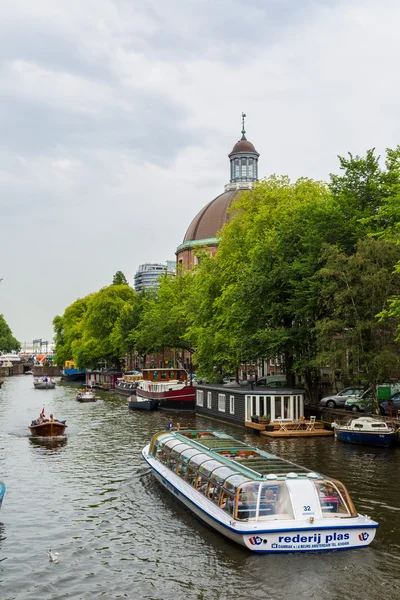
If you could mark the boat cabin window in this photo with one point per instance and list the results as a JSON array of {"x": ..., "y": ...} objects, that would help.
[
  {"x": 233, "y": 482},
  {"x": 378, "y": 425},
  {"x": 172, "y": 443},
  {"x": 275, "y": 502},
  {"x": 221, "y": 473},
  {"x": 178, "y": 449},
  {"x": 334, "y": 499},
  {"x": 197, "y": 459},
  {"x": 247, "y": 498},
  {"x": 208, "y": 467},
  {"x": 358, "y": 425},
  {"x": 186, "y": 455}
]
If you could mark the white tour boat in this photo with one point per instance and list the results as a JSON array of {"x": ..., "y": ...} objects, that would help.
[{"x": 259, "y": 500}]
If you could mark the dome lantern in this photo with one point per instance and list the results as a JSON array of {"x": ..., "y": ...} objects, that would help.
[{"x": 243, "y": 163}]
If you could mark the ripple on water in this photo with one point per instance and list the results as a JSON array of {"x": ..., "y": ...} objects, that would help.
[{"x": 91, "y": 498}]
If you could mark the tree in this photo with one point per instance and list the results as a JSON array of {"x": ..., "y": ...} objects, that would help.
[
  {"x": 119, "y": 279},
  {"x": 356, "y": 290},
  {"x": 69, "y": 330},
  {"x": 7, "y": 341}
]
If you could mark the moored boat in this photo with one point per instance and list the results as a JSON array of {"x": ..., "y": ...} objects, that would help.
[
  {"x": 127, "y": 384},
  {"x": 256, "y": 499},
  {"x": 2, "y": 492},
  {"x": 47, "y": 428},
  {"x": 168, "y": 387},
  {"x": 136, "y": 403},
  {"x": 366, "y": 431},
  {"x": 44, "y": 384},
  {"x": 86, "y": 396}
]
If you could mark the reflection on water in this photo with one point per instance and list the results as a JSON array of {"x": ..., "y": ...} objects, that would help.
[
  {"x": 48, "y": 443},
  {"x": 90, "y": 497}
]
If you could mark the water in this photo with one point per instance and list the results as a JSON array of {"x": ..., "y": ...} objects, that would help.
[{"x": 92, "y": 499}]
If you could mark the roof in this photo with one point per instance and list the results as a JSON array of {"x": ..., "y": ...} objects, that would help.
[
  {"x": 243, "y": 146},
  {"x": 208, "y": 222}
]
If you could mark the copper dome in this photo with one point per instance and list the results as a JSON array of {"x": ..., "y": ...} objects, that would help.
[
  {"x": 243, "y": 145},
  {"x": 212, "y": 217}
]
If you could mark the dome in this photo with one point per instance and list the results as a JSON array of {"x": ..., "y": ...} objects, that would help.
[
  {"x": 243, "y": 145},
  {"x": 211, "y": 218}
]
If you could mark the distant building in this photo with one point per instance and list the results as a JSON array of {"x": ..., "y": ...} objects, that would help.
[{"x": 147, "y": 275}]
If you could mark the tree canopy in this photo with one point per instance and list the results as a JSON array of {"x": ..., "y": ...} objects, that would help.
[{"x": 7, "y": 341}]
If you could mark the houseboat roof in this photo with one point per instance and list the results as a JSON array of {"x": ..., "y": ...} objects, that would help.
[{"x": 248, "y": 460}]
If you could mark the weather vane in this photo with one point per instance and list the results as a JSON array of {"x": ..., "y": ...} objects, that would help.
[{"x": 243, "y": 129}]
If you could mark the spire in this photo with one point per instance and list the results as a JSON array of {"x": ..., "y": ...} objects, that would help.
[{"x": 243, "y": 129}]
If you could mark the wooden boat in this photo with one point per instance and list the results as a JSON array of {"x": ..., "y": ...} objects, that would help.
[
  {"x": 86, "y": 396},
  {"x": 136, "y": 403},
  {"x": 47, "y": 428},
  {"x": 1, "y": 382},
  {"x": 256, "y": 499},
  {"x": 39, "y": 384},
  {"x": 168, "y": 387},
  {"x": 2, "y": 492},
  {"x": 366, "y": 431}
]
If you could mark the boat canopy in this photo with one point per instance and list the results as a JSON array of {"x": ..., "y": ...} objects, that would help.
[{"x": 248, "y": 483}]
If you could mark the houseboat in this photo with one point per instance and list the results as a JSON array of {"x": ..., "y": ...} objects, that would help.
[
  {"x": 169, "y": 387},
  {"x": 127, "y": 384},
  {"x": 70, "y": 372},
  {"x": 102, "y": 379},
  {"x": 256, "y": 499},
  {"x": 366, "y": 431}
]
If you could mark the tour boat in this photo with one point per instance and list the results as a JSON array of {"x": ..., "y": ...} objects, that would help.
[
  {"x": 366, "y": 431},
  {"x": 44, "y": 384},
  {"x": 168, "y": 387},
  {"x": 86, "y": 396},
  {"x": 47, "y": 428},
  {"x": 2, "y": 492},
  {"x": 256, "y": 499}
]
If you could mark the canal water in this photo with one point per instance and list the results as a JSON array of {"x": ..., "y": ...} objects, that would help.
[{"x": 91, "y": 498}]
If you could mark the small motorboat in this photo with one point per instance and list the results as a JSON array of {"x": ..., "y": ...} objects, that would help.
[
  {"x": 86, "y": 396},
  {"x": 2, "y": 492},
  {"x": 47, "y": 427},
  {"x": 44, "y": 383},
  {"x": 137, "y": 403},
  {"x": 28, "y": 372},
  {"x": 366, "y": 431}
]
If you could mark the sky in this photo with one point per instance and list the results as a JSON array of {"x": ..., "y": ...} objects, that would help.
[{"x": 117, "y": 116}]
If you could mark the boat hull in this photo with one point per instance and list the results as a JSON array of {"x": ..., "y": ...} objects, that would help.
[
  {"x": 125, "y": 391},
  {"x": 383, "y": 440},
  {"x": 50, "y": 429},
  {"x": 80, "y": 398},
  {"x": 286, "y": 536},
  {"x": 44, "y": 385},
  {"x": 2, "y": 492},
  {"x": 180, "y": 400},
  {"x": 136, "y": 404}
]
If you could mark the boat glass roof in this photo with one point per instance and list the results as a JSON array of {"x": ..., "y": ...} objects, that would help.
[
  {"x": 198, "y": 459},
  {"x": 208, "y": 467}
]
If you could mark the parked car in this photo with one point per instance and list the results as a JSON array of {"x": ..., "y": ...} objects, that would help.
[
  {"x": 361, "y": 403},
  {"x": 269, "y": 381},
  {"x": 340, "y": 398},
  {"x": 384, "y": 406}
]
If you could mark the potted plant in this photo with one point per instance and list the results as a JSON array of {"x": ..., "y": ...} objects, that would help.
[
  {"x": 265, "y": 419},
  {"x": 254, "y": 418}
]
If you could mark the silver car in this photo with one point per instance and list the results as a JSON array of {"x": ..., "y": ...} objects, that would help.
[{"x": 339, "y": 399}]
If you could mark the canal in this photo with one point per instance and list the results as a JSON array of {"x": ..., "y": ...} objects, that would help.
[{"x": 91, "y": 498}]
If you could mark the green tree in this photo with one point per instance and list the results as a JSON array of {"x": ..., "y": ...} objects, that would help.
[
  {"x": 119, "y": 279},
  {"x": 68, "y": 330},
  {"x": 7, "y": 341},
  {"x": 351, "y": 337}
]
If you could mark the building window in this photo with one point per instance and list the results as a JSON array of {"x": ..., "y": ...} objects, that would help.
[
  {"x": 244, "y": 168},
  {"x": 251, "y": 168},
  {"x": 221, "y": 402},
  {"x": 237, "y": 173},
  {"x": 232, "y": 405},
  {"x": 199, "y": 397},
  {"x": 209, "y": 398}
]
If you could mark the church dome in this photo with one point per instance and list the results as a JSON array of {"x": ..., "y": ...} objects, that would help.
[
  {"x": 211, "y": 218},
  {"x": 243, "y": 146}
]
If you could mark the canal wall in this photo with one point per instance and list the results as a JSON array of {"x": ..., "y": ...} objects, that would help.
[
  {"x": 16, "y": 369},
  {"x": 48, "y": 371}
]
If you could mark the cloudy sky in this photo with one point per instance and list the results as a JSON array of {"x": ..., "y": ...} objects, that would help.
[{"x": 116, "y": 118}]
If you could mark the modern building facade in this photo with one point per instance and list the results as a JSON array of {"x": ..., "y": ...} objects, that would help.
[
  {"x": 147, "y": 275},
  {"x": 203, "y": 230}
]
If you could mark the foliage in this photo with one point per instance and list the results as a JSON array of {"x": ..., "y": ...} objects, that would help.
[
  {"x": 8, "y": 342},
  {"x": 119, "y": 279},
  {"x": 356, "y": 288}
]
